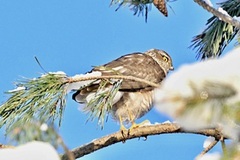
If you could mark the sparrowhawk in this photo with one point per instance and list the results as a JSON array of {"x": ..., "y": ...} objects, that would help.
[{"x": 133, "y": 99}]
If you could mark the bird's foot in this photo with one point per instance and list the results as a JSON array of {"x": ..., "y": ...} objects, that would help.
[
  {"x": 143, "y": 123},
  {"x": 124, "y": 132},
  {"x": 137, "y": 125}
]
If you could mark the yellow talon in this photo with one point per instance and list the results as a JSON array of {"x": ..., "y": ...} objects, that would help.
[{"x": 136, "y": 125}]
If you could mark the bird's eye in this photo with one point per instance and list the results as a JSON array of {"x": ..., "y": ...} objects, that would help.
[{"x": 165, "y": 59}]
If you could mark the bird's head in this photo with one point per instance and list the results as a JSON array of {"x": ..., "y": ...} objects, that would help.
[{"x": 162, "y": 58}]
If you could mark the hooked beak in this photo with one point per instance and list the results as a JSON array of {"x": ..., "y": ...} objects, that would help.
[{"x": 171, "y": 68}]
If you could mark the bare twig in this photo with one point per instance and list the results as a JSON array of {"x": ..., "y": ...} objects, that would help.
[
  {"x": 72, "y": 80},
  {"x": 225, "y": 18},
  {"x": 143, "y": 131},
  {"x": 65, "y": 148},
  {"x": 223, "y": 144},
  {"x": 207, "y": 149}
]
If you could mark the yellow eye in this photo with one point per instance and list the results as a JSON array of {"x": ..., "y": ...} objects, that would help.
[{"x": 165, "y": 59}]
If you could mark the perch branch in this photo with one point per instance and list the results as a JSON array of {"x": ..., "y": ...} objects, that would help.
[
  {"x": 143, "y": 131},
  {"x": 225, "y": 18}
]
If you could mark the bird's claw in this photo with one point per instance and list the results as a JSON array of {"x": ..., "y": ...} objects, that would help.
[
  {"x": 124, "y": 132},
  {"x": 137, "y": 125}
]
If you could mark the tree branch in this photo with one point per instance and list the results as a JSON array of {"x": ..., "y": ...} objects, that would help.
[
  {"x": 72, "y": 79},
  {"x": 225, "y": 18},
  {"x": 142, "y": 131}
]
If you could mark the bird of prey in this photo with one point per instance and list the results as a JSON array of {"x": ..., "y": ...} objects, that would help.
[{"x": 133, "y": 99}]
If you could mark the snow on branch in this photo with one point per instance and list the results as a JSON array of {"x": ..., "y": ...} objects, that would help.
[
  {"x": 33, "y": 150},
  {"x": 222, "y": 15},
  {"x": 204, "y": 94},
  {"x": 217, "y": 34}
]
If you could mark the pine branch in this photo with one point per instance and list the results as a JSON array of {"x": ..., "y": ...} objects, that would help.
[
  {"x": 220, "y": 31},
  {"x": 220, "y": 15},
  {"x": 43, "y": 100},
  {"x": 142, "y": 7},
  {"x": 139, "y": 7},
  {"x": 101, "y": 104},
  {"x": 72, "y": 80},
  {"x": 143, "y": 131}
]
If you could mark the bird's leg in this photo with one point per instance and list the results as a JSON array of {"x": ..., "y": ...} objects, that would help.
[
  {"x": 122, "y": 127},
  {"x": 134, "y": 124},
  {"x": 132, "y": 120}
]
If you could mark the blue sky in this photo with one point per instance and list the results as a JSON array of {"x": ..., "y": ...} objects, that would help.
[{"x": 72, "y": 36}]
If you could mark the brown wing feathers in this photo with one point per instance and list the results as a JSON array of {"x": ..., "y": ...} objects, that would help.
[
  {"x": 134, "y": 65},
  {"x": 129, "y": 65}
]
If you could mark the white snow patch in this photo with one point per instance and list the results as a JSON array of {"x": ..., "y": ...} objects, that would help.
[
  {"x": 58, "y": 72},
  {"x": 236, "y": 18},
  {"x": 29, "y": 151},
  {"x": 79, "y": 84},
  {"x": 166, "y": 122},
  {"x": 220, "y": 9},
  {"x": 18, "y": 89},
  {"x": 173, "y": 96},
  {"x": 44, "y": 127},
  {"x": 208, "y": 2},
  {"x": 209, "y": 140}
]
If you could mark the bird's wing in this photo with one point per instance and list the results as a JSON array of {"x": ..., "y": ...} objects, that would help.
[{"x": 137, "y": 65}]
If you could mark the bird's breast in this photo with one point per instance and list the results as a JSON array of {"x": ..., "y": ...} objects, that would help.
[{"x": 132, "y": 105}]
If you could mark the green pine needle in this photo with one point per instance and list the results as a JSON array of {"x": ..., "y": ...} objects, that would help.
[
  {"x": 34, "y": 131},
  {"x": 139, "y": 7},
  {"x": 215, "y": 96},
  {"x": 101, "y": 104},
  {"x": 218, "y": 92},
  {"x": 218, "y": 34},
  {"x": 41, "y": 99}
]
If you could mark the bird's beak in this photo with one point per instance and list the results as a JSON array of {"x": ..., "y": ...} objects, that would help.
[{"x": 171, "y": 68}]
